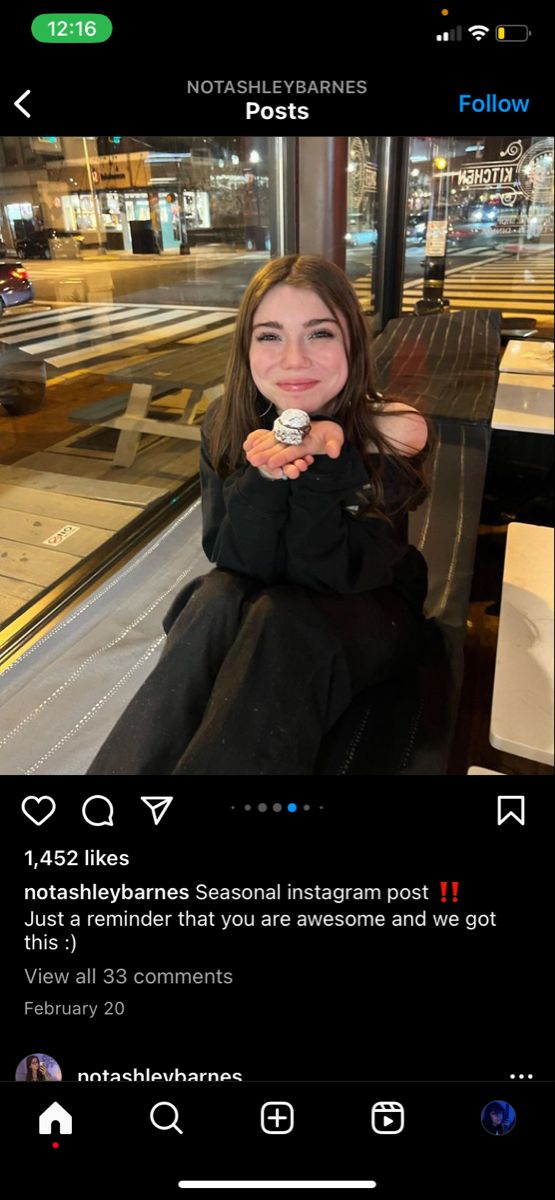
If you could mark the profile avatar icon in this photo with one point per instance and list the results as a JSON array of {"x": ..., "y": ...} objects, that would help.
[
  {"x": 38, "y": 1068},
  {"x": 498, "y": 1117}
]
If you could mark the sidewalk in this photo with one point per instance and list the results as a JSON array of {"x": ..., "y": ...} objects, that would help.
[{"x": 214, "y": 250}]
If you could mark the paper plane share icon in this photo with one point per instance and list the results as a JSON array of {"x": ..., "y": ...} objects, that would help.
[{"x": 158, "y": 806}]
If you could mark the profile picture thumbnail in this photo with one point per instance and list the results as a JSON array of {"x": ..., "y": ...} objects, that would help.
[
  {"x": 38, "y": 1068},
  {"x": 498, "y": 1117}
]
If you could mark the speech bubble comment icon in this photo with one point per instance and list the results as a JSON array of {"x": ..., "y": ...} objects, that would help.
[{"x": 98, "y": 810}]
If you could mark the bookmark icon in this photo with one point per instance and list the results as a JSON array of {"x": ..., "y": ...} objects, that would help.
[
  {"x": 158, "y": 806},
  {"x": 510, "y": 806}
]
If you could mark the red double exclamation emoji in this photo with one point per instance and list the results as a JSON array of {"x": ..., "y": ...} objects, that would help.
[{"x": 455, "y": 888}]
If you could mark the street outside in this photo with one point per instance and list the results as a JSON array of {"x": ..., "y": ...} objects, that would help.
[
  {"x": 111, "y": 314},
  {"x": 209, "y": 275}
]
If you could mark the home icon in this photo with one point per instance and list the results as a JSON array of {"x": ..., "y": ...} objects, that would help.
[{"x": 55, "y": 1113}]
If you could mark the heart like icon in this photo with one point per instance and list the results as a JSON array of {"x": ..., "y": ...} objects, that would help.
[{"x": 38, "y": 800}]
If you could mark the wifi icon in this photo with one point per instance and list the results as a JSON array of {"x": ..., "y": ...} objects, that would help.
[{"x": 478, "y": 31}]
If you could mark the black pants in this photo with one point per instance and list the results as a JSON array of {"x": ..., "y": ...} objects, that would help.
[{"x": 252, "y": 677}]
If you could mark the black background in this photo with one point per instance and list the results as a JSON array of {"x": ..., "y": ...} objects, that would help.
[
  {"x": 138, "y": 77},
  {"x": 332, "y": 1020}
]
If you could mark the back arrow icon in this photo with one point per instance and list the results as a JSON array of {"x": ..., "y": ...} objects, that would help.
[{"x": 18, "y": 104}]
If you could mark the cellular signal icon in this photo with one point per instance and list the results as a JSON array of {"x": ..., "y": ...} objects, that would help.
[
  {"x": 478, "y": 31},
  {"x": 450, "y": 35}
]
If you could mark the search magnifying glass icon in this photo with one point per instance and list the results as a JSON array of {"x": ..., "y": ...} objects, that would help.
[{"x": 173, "y": 1124}]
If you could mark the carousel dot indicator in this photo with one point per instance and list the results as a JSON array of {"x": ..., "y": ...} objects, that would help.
[
  {"x": 277, "y": 807},
  {"x": 262, "y": 807},
  {"x": 291, "y": 808},
  {"x": 248, "y": 807}
]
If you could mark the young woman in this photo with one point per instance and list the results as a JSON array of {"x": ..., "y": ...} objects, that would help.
[
  {"x": 36, "y": 1070},
  {"x": 306, "y": 476}
]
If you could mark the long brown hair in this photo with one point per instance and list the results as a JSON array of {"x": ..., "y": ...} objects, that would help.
[{"x": 356, "y": 406}]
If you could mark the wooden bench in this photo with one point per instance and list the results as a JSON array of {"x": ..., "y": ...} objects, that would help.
[
  {"x": 134, "y": 421},
  {"x": 94, "y": 414},
  {"x": 128, "y": 412},
  {"x": 404, "y": 726},
  {"x": 111, "y": 406},
  {"x": 447, "y": 366},
  {"x": 192, "y": 374},
  {"x": 522, "y": 705}
]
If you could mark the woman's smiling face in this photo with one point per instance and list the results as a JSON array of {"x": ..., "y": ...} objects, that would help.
[{"x": 299, "y": 349}]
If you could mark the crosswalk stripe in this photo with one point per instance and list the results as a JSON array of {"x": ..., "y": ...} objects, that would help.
[
  {"x": 51, "y": 313},
  {"x": 506, "y": 276},
  {"x": 505, "y": 273},
  {"x": 63, "y": 360},
  {"x": 469, "y": 251},
  {"x": 474, "y": 284},
  {"x": 497, "y": 293},
  {"x": 210, "y": 336},
  {"x": 507, "y": 309},
  {"x": 91, "y": 335},
  {"x": 520, "y": 288},
  {"x": 85, "y": 322}
]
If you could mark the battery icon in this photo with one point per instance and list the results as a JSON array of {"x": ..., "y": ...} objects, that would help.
[{"x": 512, "y": 33}]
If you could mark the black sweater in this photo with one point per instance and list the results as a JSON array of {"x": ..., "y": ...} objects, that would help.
[{"x": 301, "y": 530}]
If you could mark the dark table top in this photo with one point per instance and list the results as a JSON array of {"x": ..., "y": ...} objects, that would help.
[
  {"x": 201, "y": 366},
  {"x": 445, "y": 364}
]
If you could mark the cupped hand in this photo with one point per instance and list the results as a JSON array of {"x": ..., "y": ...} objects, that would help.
[
  {"x": 261, "y": 444},
  {"x": 264, "y": 450}
]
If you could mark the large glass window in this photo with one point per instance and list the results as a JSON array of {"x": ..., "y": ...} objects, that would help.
[
  {"x": 479, "y": 227},
  {"x": 362, "y": 217},
  {"x": 123, "y": 261}
]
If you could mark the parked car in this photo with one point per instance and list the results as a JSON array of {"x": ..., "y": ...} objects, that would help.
[
  {"x": 49, "y": 243},
  {"x": 483, "y": 212},
  {"x": 361, "y": 237},
  {"x": 6, "y": 252},
  {"x": 417, "y": 228},
  {"x": 15, "y": 285}
]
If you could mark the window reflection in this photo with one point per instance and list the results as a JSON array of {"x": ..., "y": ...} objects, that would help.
[
  {"x": 479, "y": 227},
  {"x": 123, "y": 260},
  {"x": 362, "y": 216}
]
